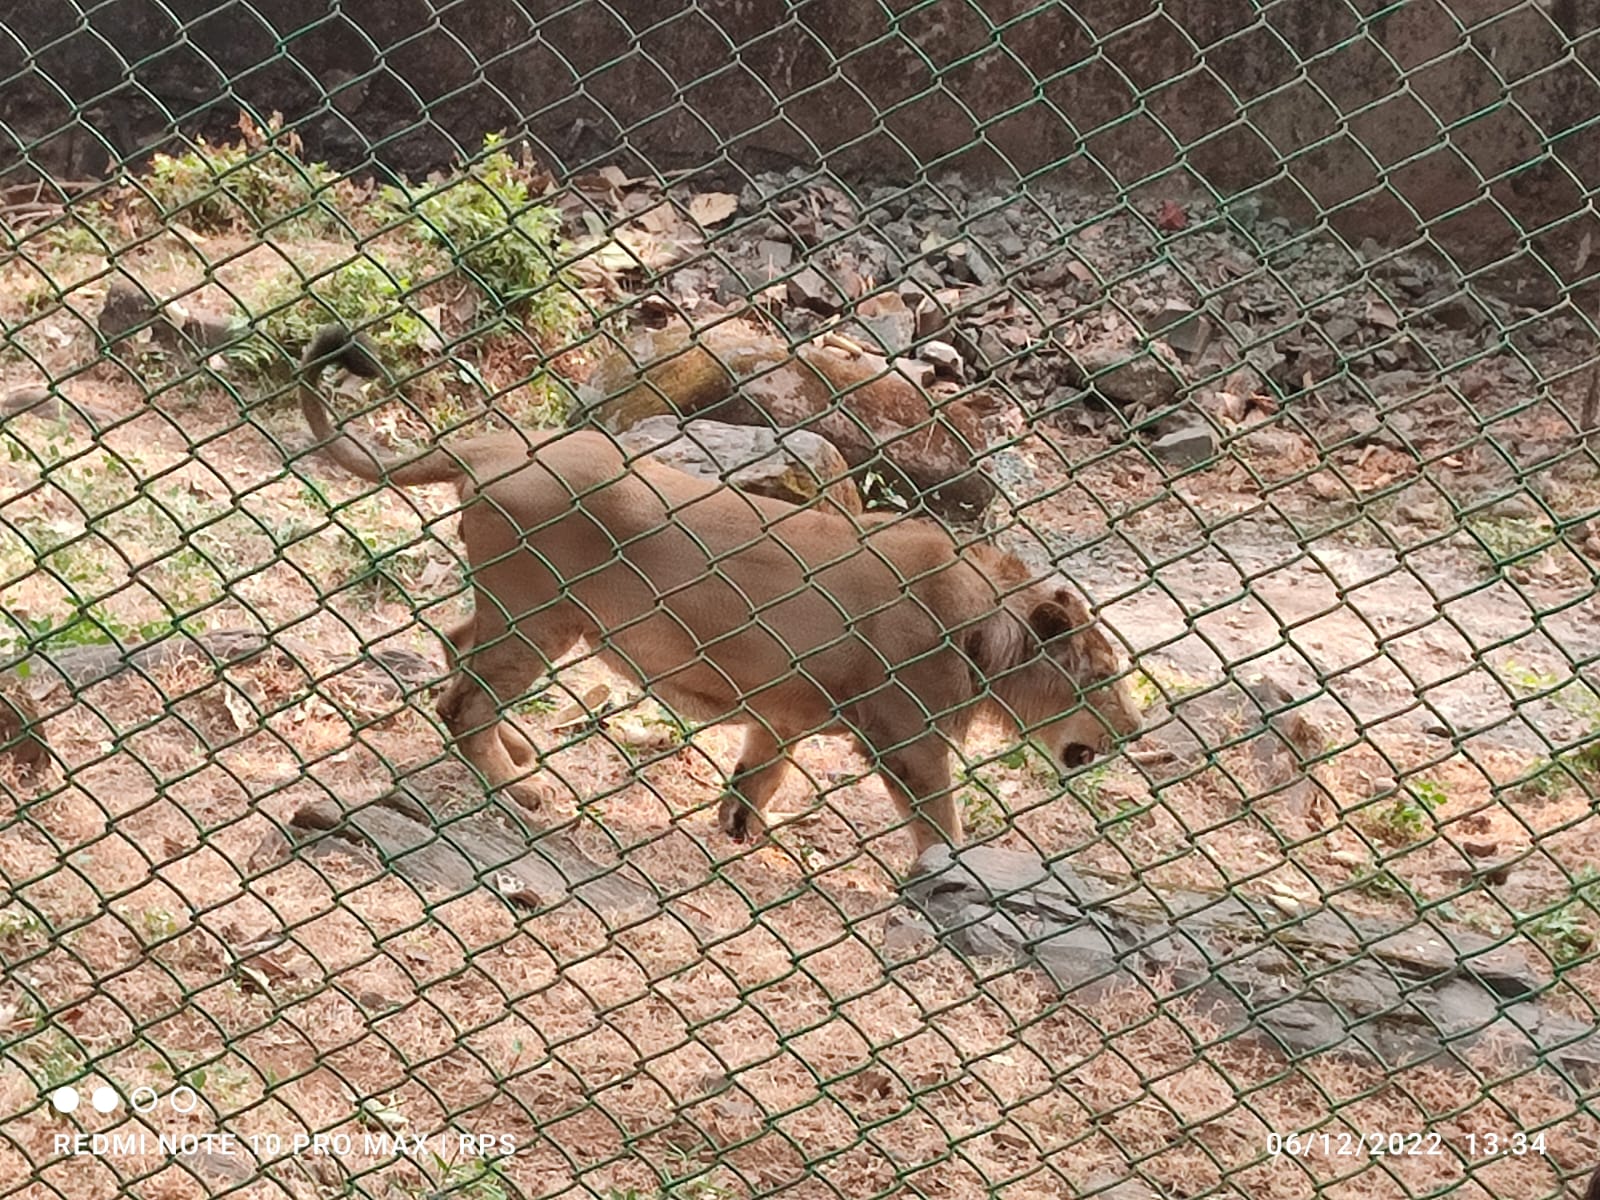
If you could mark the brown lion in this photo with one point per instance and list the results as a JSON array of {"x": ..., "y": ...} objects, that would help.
[{"x": 729, "y": 607}]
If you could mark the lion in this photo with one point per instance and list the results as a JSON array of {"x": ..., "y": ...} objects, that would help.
[{"x": 733, "y": 608}]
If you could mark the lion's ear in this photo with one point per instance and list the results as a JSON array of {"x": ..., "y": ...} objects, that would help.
[
  {"x": 1063, "y": 625},
  {"x": 1049, "y": 621},
  {"x": 1058, "y": 616},
  {"x": 1077, "y": 607}
]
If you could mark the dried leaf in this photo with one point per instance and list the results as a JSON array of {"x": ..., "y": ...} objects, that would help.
[
  {"x": 432, "y": 339},
  {"x": 255, "y": 978},
  {"x": 373, "y": 1113},
  {"x": 588, "y": 708},
  {"x": 713, "y": 208},
  {"x": 1381, "y": 313},
  {"x": 1170, "y": 217},
  {"x": 663, "y": 218},
  {"x": 1585, "y": 245},
  {"x": 239, "y": 708}
]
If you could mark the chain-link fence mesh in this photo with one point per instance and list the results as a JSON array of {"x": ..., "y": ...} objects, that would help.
[{"x": 1266, "y": 328}]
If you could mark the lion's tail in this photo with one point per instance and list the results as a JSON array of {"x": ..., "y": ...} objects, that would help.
[{"x": 334, "y": 345}]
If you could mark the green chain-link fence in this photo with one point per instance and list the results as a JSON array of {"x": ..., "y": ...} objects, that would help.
[{"x": 1269, "y": 326}]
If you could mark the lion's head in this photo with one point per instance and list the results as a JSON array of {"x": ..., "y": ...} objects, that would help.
[{"x": 1054, "y": 671}]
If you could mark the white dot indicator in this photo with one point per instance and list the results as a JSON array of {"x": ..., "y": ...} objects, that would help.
[
  {"x": 64, "y": 1099},
  {"x": 104, "y": 1099}
]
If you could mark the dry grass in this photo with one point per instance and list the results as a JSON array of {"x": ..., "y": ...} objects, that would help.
[{"x": 756, "y": 1038}]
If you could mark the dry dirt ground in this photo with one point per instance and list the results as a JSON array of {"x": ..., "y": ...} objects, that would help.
[{"x": 760, "y": 1035}]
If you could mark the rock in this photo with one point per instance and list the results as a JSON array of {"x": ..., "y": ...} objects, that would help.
[
  {"x": 904, "y": 931},
  {"x": 22, "y": 733},
  {"x": 945, "y": 359},
  {"x": 486, "y": 846},
  {"x": 1203, "y": 723},
  {"x": 1104, "y": 1185},
  {"x": 127, "y": 306},
  {"x": 1421, "y": 512},
  {"x": 1459, "y": 311},
  {"x": 991, "y": 350},
  {"x": 1339, "y": 330},
  {"x": 1010, "y": 247},
  {"x": 740, "y": 375},
  {"x": 1186, "y": 447},
  {"x": 231, "y": 1168},
  {"x": 966, "y": 263},
  {"x": 891, "y": 322},
  {"x": 1125, "y": 374},
  {"x": 808, "y": 288},
  {"x": 193, "y": 334},
  {"x": 774, "y": 259},
  {"x": 1320, "y": 980},
  {"x": 1517, "y": 507},
  {"x": 795, "y": 466},
  {"x": 915, "y": 370},
  {"x": 1191, "y": 336}
]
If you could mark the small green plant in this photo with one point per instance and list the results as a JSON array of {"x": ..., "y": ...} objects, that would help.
[
  {"x": 151, "y": 925},
  {"x": 38, "y": 296},
  {"x": 1564, "y": 932},
  {"x": 470, "y": 1179},
  {"x": 1508, "y": 539},
  {"x": 1089, "y": 786},
  {"x": 364, "y": 292},
  {"x": 1383, "y": 884},
  {"x": 18, "y": 924},
  {"x": 488, "y": 221},
  {"x": 697, "y": 1189},
  {"x": 1546, "y": 780},
  {"x": 541, "y": 703},
  {"x": 56, "y": 1059},
  {"x": 76, "y": 233},
  {"x": 87, "y": 625},
  {"x": 255, "y": 183},
  {"x": 1410, "y": 814},
  {"x": 1574, "y": 695},
  {"x": 1154, "y": 684},
  {"x": 981, "y": 811},
  {"x": 879, "y": 491}
]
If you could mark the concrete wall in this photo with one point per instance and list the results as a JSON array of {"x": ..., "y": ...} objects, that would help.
[{"x": 1478, "y": 117}]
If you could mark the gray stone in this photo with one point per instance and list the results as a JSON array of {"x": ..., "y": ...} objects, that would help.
[
  {"x": 1010, "y": 247},
  {"x": 1125, "y": 374},
  {"x": 904, "y": 931},
  {"x": 915, "y": 370},
  {"x": 1190, "y": 337},
  {"x": 1460, "y": 311},
  {"x": 1517, "y": 507},
  {"x": 774, "y": 258},
  {"x": 893, "y": 325},
  {"x": 1340, "y": 330},
  {"x": 945, "y": 359},
  {"x": 1186, "y": 447},
  {"x": 1319, "y": 981},
  {"x": 1080, "y": 955},
  {"x": 792, "y": 466},
  {"x": 809, "y": 288}
]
